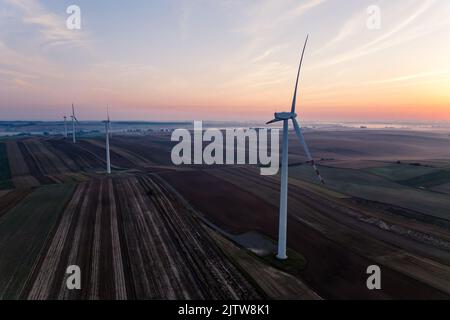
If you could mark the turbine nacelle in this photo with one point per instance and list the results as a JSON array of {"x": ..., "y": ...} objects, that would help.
[
  {"x": 285, "y": 115},
  {"x": 282, "y": 116}
]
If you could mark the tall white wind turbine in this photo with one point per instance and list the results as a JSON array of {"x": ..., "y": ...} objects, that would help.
[
  {"x": 285, "y": 117},
  {"x": 108, "y": 158},
  {"x": 74, "y": 119}
]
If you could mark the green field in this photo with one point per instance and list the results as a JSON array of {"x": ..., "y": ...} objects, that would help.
[
  {"x": 443, "y": 188},
  {"x": 423, "y": 177},
  {"x": 429, "y": 180},
  {"x": 399, "y": 172},
  {"x": 366, "y": 185},
  {"x": 5, "y": 172},
  {"x": 23, "y": 234}
]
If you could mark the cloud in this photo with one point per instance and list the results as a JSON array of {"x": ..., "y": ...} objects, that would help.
[
  {"x": 268, "y": 14},
  {"x": 403, "y": 24},
  {"x": 269, "y": 52},
  {"x": 51, "y": 27},
  {"x": 184, "y": 20},
  {"x": 390, "y": 39},
  {"x": 17, "y": 69},
  {"x": 408, "y": 77},
  {"x": 350, "y": 27},
  {"x": 303, "y": 8},
  {"x": 262, "y": 28},
  {"x": 33, "y": 32}
]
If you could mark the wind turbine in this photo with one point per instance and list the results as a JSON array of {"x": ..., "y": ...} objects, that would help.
[
  {"x": 74, "y": 119},
  {"x": 65, "y": 126},
  {"x": 285, "y": 117},
  {"x": 108, "y": 159}
]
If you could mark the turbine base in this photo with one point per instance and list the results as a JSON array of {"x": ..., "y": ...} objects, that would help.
[{"x": 282, "y": 258}]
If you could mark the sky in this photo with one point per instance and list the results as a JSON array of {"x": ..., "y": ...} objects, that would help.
[{"x": 226, "y": 59}]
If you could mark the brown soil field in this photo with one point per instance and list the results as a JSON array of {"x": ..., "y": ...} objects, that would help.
[
  {"x": 98, "y": 149},
  {"x": 77, "y": 158},
  {"x": 338, "y": 247},
  {"x": 10, "y": 199},
  {"x": 134, "y": 160},
  {"x": 156, "y": 150},
  {"x": 276, "y": 283},
  {"x": 132, "y": 240},
  {"x": 40, "y": 161},
  {"x": 20, "y": 173}
]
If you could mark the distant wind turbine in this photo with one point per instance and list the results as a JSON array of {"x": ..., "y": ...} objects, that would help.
[
  {"x": 285, "y": 117},
  {"x": 65, "y": 126},
  {"x": 108, "y": 158},
  {"x": 74, "y": 119}
]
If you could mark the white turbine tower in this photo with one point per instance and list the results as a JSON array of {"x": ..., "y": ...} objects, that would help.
[
  {"x": 65, "y": 126},
  {"x": 74, "y": 119},
  {"x": 285, "y": 117},
  {"x": 108, "y": 159}
]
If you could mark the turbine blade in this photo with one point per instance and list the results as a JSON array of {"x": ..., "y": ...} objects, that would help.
[
  {"x": 294, "y": 101},
  {"x": 299, "y": 133},
  {"x": 273, "y": 121}
]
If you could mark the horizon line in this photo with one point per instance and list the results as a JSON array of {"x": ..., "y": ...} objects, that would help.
[{"x": 381, "y": 121}]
